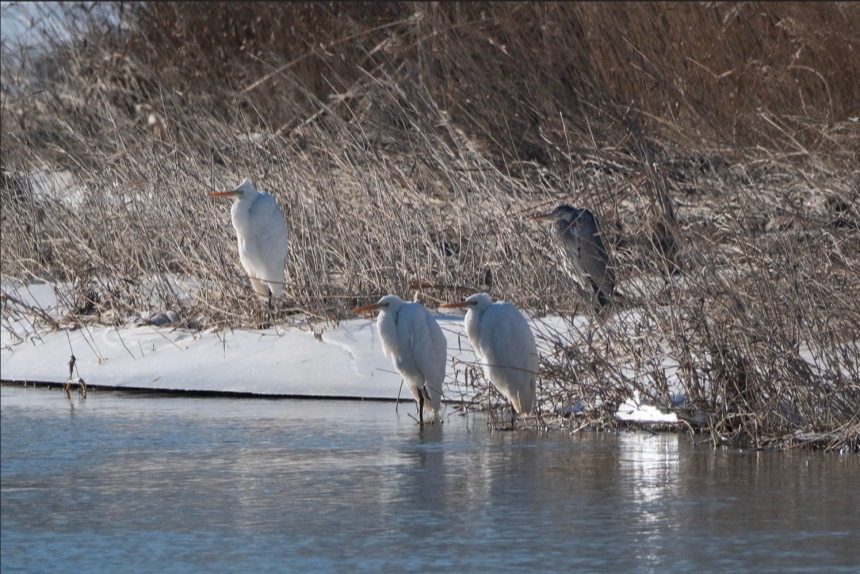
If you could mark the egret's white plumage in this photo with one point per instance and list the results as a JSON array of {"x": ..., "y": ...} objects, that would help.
[
  {"x": 262, "y": 235},
  {"x": 505, "y": 345},
  {"x": 413, "y": 339}
]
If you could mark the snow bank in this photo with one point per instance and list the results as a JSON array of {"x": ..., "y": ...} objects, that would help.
[{"x": 347, "y": 360}]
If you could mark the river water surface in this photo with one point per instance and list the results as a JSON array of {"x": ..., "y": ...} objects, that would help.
[{"x": 141, "y": 483}]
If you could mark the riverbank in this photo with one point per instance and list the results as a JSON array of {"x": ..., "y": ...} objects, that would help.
[{"x": 409, "y": 146}]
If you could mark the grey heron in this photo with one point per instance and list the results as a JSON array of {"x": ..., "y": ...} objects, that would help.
[{"x": 587, "y": 257}]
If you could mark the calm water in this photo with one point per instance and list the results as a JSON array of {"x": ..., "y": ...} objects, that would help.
[{"x": 133, "y": 483}]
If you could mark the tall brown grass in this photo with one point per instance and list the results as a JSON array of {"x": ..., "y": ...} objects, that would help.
[{"x": 409, "y": 143}]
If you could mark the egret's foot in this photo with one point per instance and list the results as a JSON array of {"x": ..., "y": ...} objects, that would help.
[{"x": 430, "y": 422}]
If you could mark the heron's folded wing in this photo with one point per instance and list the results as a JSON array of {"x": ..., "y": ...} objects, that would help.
[{"x": 593, "y": 256}]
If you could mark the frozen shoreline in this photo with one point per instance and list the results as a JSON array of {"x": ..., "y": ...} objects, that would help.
[{"x": 345, "y": 361}]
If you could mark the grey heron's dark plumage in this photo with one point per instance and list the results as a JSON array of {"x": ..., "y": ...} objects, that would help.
[{"x": 587, "y": 257}]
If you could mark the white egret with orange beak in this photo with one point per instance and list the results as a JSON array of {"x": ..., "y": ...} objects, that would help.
[
  {"x": 505, "y": 345},
  {"x": 263, "y": 239},
  {"x": 413, "y": 339}
]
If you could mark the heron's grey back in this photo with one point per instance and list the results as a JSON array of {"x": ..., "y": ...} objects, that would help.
[{"x": 587, "y": 254}]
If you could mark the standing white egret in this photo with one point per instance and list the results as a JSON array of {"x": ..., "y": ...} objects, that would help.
[
  {"x": 505, "y": 345},
  {"x": 413, "y": 339},
  {"x": 263, "y": 239},
  {"x": 586, "y": 256}
]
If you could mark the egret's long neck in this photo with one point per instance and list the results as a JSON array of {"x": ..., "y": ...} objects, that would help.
[
  {"x": 241, "y": 213},
  {"x": 386, "y": 323},
  {"x": 473, "y": 327}
]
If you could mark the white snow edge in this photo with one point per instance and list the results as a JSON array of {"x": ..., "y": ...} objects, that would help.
[{"x": 346, "y": 361}]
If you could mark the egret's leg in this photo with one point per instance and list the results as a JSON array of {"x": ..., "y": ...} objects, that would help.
[
  {"x": 421, "y": 407},
  {"x": 270, "y": 309},
  {"x": 513, "y": 416},
  {"x": 426, "y": 396}
]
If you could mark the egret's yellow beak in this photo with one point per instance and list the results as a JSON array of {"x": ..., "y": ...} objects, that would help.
[
  {"x": 366, "y": 308},
  {"x": 454, "y": 305},
  {"x": 233, "y": 193}
]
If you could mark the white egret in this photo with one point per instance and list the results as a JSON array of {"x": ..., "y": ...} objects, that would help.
[
  {"x": 263, "y": 239},
  {"x": 587, "y": 258},
  {"x": 413, "y": 339},
  {"x": 505, "y": 345}
]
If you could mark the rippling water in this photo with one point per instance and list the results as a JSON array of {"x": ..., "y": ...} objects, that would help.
[{"x": 120, "y": 482}]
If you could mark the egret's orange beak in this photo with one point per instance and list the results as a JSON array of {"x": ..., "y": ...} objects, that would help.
[
  {"x": 365, "y": 308},
  {"x": 233, "y": 193},
  {"x": 454, "y": 305}
]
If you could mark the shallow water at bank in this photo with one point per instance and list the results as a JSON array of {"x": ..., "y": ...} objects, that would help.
[{"x": 120, "y": 482}]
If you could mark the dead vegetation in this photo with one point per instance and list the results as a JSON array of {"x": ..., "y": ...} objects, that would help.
[{"x": 407, "y": 144}]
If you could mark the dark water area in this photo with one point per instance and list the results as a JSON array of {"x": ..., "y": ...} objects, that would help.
[{"x": 140, "y": 483}]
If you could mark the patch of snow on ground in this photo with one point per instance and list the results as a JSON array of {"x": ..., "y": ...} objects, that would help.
[
  {"x": 347, "y": 360},
  {"x": 635, "y": 410}
]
